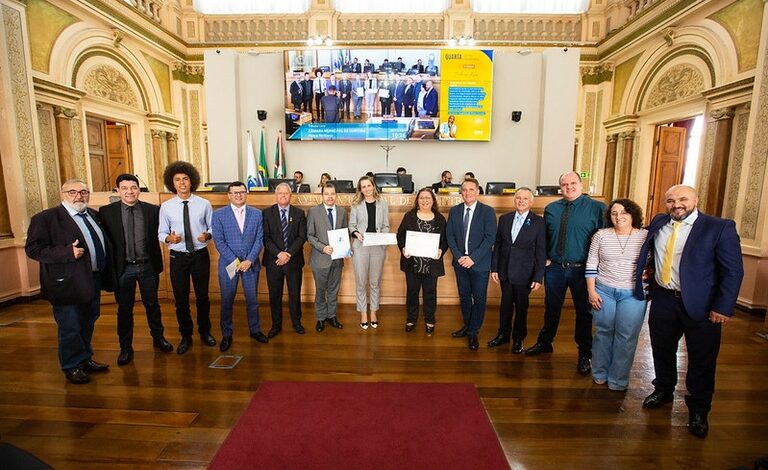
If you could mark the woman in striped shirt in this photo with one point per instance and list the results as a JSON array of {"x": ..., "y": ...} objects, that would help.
[{"x": 616, "y": 314}]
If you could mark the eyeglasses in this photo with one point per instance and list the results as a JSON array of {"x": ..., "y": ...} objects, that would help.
[
  {"x": 73, "y": 192},
  {"x": 617, "y": 214},
  {"x": 238, "y": 193}
]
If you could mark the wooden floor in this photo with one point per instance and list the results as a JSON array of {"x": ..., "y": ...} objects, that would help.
[{"x": 167, "y": 411}]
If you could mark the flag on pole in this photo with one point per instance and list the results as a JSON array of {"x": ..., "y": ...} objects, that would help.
[
  {"x": 251, "y": 181},
  {"x": 279, "y": 170},
  {"x": 261, "y": 176}
]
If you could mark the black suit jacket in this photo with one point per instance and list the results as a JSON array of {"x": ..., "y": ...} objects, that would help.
[
  {"x": 523, "y": 261},
  {"x": 112, "y": 218},
  {"x": 64, "y": 279},
  {"x": 273, "y": 237}
]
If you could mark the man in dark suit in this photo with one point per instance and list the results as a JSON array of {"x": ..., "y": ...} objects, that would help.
[
  {"x": 331, "y": 105},
  {"x": 430, "y": 100},
  {"x": 409, "y": 97},
  {"x": 471, "y": 231},
  {"x": 698, "y": 269},
  {"x": 356, "y": 66},
  {"x": 519, "y": 256},
  {"x": 326, "y": 268},
  {"x": 399, "y": 66},
  {"x": 285, "y": 231},
  {"x": 238, "y": 235},
  {"x": 345, "y": 90},
  {"x": 297, "y": 92},
  {"x": 445, "y": 180},
  {"x": 306, "y": 86},
  {"x": 418, "y": 66},
  {"x": 69, "y": 243},
  {"x": 399, "y": 94},
  {"x": 131, "y": 226}
]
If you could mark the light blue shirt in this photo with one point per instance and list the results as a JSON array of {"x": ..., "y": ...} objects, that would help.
[
  {"x": 87, "y": 233},
  {"x": 518, "y": 224},
  {"x": 172, "y": 220}
]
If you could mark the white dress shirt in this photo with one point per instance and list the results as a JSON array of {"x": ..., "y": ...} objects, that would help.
[{"x": 660, "y": 249}]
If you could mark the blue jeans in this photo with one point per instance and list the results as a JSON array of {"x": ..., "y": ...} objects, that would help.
[
  {"x": 617, "y": 326},
  {"x": 76, "y": 324},
  {"x": 473, "y": 292}
]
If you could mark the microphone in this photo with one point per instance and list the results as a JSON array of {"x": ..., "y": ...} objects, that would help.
[{"x": 145, "y": 189}]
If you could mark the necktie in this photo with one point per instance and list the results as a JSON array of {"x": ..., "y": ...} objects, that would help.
[
  {"x": 669, "y": 253},
  {"x": 465, "y": 228},
  {"x": 330, "y": 217},
  {"x": 563, "y": 230},
  {"x": 101, "y": 257},
  {"x": 370, "y": 83},
  {"x": 188, "y": 242},
  {"x": 284, "y": 226},
  {"x": 240, "y": 213},
  {"x": 130, "y": 236}
]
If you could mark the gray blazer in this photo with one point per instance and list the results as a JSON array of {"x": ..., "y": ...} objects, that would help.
[
  {"x": 358, "y": 217},
  {"x": 317, "y": 234}
]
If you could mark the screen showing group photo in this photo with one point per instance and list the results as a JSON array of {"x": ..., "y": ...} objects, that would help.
[{"x": 388, "y": 94}]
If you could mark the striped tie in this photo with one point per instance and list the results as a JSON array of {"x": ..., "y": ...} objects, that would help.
[
  {"x": 284, "y": 226},
  {"x": 669, "y": 253}
]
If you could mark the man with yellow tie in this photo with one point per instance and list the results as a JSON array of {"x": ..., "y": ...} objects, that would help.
[{"x": 696, "y": 259}]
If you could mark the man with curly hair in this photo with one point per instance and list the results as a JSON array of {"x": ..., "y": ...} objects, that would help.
[{"x": 185, "y": 226}]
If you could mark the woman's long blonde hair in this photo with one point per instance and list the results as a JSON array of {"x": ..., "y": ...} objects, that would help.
[{"x": 359, "y": 195}]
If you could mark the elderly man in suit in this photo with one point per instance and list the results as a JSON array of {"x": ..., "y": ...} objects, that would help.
[
  {"x": 698, "y": 269},
  {"x": 518, "y": 260},
  {"x": 69, "y": 243},
  {"x": 285, "y": 231},
  {"x": 471, "y": 232},
  {"x": 325, "y": 270},
  {"x": 238, "y": 237},
  {"x": 131, "y": 226}
]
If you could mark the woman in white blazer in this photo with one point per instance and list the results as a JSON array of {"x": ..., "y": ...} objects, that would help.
[{"x": 369, "y": 213}]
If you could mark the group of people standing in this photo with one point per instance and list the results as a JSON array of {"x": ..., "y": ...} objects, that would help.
[{"x": 687, "y": 263}]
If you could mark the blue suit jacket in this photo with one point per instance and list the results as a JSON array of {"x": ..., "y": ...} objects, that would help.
[
  {"x": 522, "y": 261},
  {"x": 711, "y": 267},
  {"x": 230, "y": 243},
  {"x": 482, "y": 233},
  {"x": 430, "y": 102}
]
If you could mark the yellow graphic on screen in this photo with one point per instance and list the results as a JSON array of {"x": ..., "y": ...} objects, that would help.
[{"x": 466, "y": 83}]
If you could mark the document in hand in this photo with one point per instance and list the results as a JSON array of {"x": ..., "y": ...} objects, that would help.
[
  {"x": 422, "y": 244},
  {"x": 339, "y": 241},
  {"x": 377, "y": 239},
  {"x": 232, "y": 268}
]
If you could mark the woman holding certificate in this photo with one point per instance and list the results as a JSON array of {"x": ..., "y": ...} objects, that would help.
[
  {"x": 422, "y": 243},
  {"x": 369, "y": 213}
]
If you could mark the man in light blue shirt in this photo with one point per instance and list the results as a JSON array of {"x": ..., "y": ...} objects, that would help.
[{"x": 185, "y": 226}]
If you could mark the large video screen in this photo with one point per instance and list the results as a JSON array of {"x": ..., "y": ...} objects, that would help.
[{"x": 388, "y": 94}]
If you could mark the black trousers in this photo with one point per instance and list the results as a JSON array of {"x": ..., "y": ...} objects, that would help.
[
  {"x": 276, "y": 277},
  {"x": 306, "y": 105},
  {"x": 557, "y": 280},
  {"x": 319, "y": 105},
  {"x": 668, "y": 321},
  {"x": 427, "y": 283},
  {"x": 197, "y": 266},
  {"x": 125, "y": 295},
  {"x": 514, "y": 303}
]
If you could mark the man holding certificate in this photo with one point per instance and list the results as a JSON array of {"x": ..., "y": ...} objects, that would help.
[
  {"x": 422, "y": 242},
  {"x": 471, "y": 232},
  {"x": 237, "y": 234},
  {"x": 328, "y": 235}
]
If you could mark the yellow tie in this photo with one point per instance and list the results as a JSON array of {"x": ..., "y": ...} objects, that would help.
[{"x": 669, "y": 252}]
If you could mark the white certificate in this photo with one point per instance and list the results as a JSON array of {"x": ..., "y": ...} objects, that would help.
[
  {"x": 377, "y": 239},
  {"x": 422, "y": 244},
  {"x": 360, "y": 91},
  {"x": 339, "y": 240},
  {"x": 383, "y": 93},
  {"x": 231, "y": 268}
]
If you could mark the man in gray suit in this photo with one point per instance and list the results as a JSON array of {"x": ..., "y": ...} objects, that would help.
[{"x": 326, "y": 271}]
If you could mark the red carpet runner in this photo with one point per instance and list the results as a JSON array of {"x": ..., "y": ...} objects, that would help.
[{"x": 310, "y": 425}]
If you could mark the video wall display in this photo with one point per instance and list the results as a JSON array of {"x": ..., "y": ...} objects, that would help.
[{"x": 388, "y": 94}]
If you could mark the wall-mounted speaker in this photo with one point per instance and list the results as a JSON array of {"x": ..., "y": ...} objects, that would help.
[
  {"x": 262, "y": 115},
  {"x": 517, "y": 115}
]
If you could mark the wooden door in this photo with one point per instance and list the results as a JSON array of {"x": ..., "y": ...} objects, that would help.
[
  {"x": 118, "y": 151},
  {"x": 669, "y": 162},
  {"x": 97, "y": 154}
]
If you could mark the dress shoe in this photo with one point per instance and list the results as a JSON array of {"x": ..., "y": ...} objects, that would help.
[
  {"x": 184, "y": 345},
  {"x": 259, "y": 336},
  {"x": 498, "y": 340},
  {"x": 584, "y": 365},
  {"x": 517, "y": 346},
  {"x": 299, "y": 329},
  {"x": 226, "y": 343},
  {"x": 335, "y": 323},
  {"x": 538, "y": 348},
  {"x": 657, "y": 399},
  {"x": 697, "y": 425},
  {"x": 460, "y": 333},
  {"x": 92, "y": 366},
  {"x": 273, "y": 332},
  {"x": 207, "y": 339},
  {"x": 163, "y": 345},
  {"x": 430, "y": 329},
  {"x": 409, "y": 327},
  {"x": 125, "y": 356},
  {"x": 320, "y": 325},
  {"x": 78, "y": 376},
  {"x": 473, "y": 342}
]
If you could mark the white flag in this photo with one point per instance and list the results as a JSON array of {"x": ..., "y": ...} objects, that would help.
[{"x": 251, "y": 181}]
